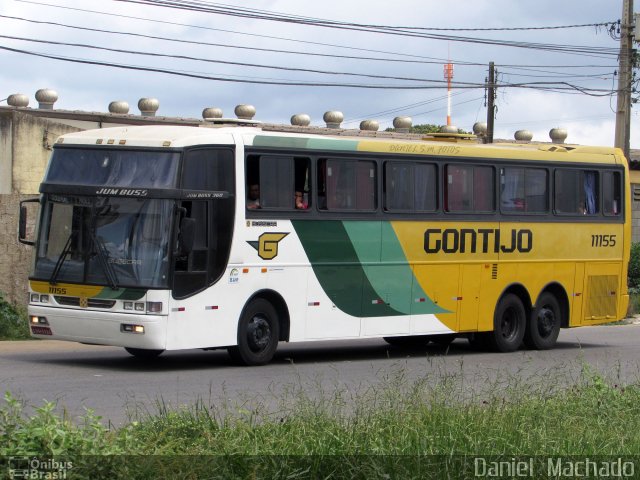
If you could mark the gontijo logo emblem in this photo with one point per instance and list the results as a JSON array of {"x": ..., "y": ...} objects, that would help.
[{"x": 267, "y": 245}]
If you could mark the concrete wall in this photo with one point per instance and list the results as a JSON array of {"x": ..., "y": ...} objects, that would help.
[
  {"x": 6, "y": 157},
  {"x": 25, "y": 147},
  {"x": 33, "y": 140},
  {"x": 15, "y": 258}
]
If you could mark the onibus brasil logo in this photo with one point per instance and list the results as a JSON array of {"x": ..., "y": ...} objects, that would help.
[{"x": 267, "y": 245}]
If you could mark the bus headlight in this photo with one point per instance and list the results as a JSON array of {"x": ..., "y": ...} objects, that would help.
[{"x": 37, "y": 298}]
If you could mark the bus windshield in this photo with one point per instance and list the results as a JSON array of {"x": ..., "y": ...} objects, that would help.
[
  {"x": 105, "y": 167},
  {"x": 111, "y": 241}
]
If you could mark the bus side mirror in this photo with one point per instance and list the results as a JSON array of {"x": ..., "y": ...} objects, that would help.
[
  {"x": 187, "y": 235},
  {"x": 26, "y": 221}
]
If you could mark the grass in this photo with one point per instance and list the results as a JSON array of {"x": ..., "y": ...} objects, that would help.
[
  {"x": 395, "y": 427},
  {"x": 13, "y": 321}
]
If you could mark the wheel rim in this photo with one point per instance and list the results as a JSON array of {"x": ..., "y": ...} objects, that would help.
[
  {"x": 259, "y": 333},
  {"x": 509, "y": 324},
  {"x": 546, "y": 321}
]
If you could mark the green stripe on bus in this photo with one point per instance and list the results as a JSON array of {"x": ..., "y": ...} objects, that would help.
[
  {"x": 339, "y": 270},
  {"x": 305, "y": 143},
  {"x": 387, "y": 269}
]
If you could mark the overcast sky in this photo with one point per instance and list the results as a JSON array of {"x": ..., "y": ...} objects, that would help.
[{"x": 589, "y": 118}]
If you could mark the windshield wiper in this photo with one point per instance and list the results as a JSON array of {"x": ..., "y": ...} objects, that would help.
[
  {"x": 63, "y": 256},
  {"x": 102, "y": 258}
]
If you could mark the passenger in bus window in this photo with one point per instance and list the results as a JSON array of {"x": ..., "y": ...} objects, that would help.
[
  {"x": 300, "y": 203},
  {"x": 253, "y": 197},
  {"x": 590, "y": 183},
  {"x": 301, "y": 183}
]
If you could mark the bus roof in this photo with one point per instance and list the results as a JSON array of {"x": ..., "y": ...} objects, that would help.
[{"x": 325, "y": 139}]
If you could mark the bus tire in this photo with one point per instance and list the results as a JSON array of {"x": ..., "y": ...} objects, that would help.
[
  {"x": 409, "y": 341},
  {"x": 509, "y": 324},
  {"x": 258, "y": 333},
  {"x": 143, "y": 353},
  {"x": 544, "y": 325}
]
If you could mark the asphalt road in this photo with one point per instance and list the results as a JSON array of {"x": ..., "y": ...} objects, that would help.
[{"x": 120, "y": 388}]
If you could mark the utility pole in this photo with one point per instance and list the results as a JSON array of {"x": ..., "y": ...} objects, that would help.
[
  {"x": 491, "y": 97},
  {"x": 623, "y": 109}
]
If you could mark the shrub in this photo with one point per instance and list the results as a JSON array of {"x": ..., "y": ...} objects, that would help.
[
  {"x": 634, "y": 268},
  {"x": 13, "y": 321}
]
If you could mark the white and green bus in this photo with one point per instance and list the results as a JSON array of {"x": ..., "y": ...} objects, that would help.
[{"x": 159, "y": 238}]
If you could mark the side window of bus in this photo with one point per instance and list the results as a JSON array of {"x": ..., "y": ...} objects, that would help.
[
  {"x": 208, "y": 169},
  {"x": 346, "y": 184},
  {"x": 410, "y": 187},
  {"x": 523, "y": 190},
  {"x": 576, "y": 192},
  {"x": 469, "y": 188},
  {"x": 278, "y": 182},
  {"x": 611, "y": 193}
]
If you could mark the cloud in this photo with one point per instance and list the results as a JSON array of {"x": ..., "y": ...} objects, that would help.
[{"x": 86, "y": 87}]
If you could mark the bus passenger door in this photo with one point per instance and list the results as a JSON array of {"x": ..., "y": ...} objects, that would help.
[{"x": 577, "y": 298}]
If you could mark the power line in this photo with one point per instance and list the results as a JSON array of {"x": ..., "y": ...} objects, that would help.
[
  {"x": 227, "y": 79},
  {"x": 294, "y": 52},
  {"x": 555, "y": 86},
  {"x": 404, "y": 108},
  {"x": 419, "y": 114},
  {"x": 200, "y": 27},
  {"x": 567, "y": 49},
  {"x": 244, "y": 13},
  {"x": 558, "y": 75},
  {"x": 224, "y": 62},
  {"x": 279, "y": 16},
  {"x": 257, "y": 49}
]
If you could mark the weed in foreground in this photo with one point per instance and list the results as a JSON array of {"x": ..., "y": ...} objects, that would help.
[
  {"x": 394, "y": 427},
  {"x": 13, "y": 321}
]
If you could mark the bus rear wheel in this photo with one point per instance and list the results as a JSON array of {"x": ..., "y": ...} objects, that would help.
[
  {"x": 544, "y": 325},
  {"x": 258, "y": 333},
  {"x": 509, "y": 324},
  {"x": 143, "y": 352}
]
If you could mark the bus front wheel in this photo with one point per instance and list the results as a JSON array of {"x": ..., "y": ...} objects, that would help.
[
  {"x": 258, "y": 333},
  {"x": 509, "y": 324},
  {"x": 544, "y": 325}
]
